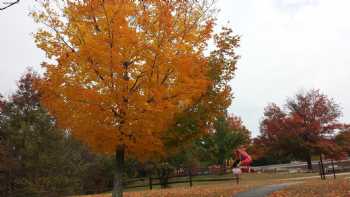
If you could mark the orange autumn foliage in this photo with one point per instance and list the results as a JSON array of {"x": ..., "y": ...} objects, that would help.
[{"x": 119, "y": 71}]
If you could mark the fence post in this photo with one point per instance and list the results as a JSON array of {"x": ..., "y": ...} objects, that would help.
[
  {"x": 320, "y": 170},
  {"x": 150, "y": 182},
  {"x": 333, "y": 168},
  {"x": 322, "y": 167},
  {"x": 190, "y": 176}
]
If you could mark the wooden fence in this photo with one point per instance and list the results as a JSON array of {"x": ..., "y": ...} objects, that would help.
[{"x": 183, "y": 176}]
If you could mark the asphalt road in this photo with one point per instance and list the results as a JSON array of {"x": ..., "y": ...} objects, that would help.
[{"x": 263, "y": 191}]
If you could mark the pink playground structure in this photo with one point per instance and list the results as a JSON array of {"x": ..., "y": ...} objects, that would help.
[{"x": 243, "y": 159}]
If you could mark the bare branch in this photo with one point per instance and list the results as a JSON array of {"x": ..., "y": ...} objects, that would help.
[
  {"x": 133, "y": 87},
  {"x": 9, "y": 4},
  {"x": 167, "y": 75}
]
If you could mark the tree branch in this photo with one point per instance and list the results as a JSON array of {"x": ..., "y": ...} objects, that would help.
[
  {"x": 133, "y": 87},
  {"x": 9, "y": 4},
  {"x": 166, "y": 76}
]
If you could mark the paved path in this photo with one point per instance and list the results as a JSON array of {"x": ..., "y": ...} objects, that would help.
[
  {"x": 264, "y": 191},
  {"x": 314, "y": 177}
]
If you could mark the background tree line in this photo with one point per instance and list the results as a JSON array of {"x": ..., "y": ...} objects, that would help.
[{"x": 39, "y": 159}]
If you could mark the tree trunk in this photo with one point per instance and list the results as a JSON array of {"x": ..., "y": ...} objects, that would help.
[
  {"x": 309, "y": 162},
  {"x": 118, "y": 176}
]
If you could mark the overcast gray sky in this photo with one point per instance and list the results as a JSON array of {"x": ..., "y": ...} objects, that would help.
[{"x": 287, "y": 46}]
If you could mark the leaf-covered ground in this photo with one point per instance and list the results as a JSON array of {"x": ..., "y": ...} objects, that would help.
[
  {"x": 222, "y": 190},
  {"x": 212, "y": 190},
  {"x": 319, "y": 188}
]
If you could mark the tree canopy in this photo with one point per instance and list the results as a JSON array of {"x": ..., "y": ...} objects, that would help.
[
  {"x": 304, "y": 128},
  {"x": 36, "y": 157},
  {"x": 120, "y": 66},
  {"x": 227, "y": 134}
]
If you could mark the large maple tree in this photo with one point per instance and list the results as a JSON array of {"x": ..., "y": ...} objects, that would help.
[
  {"x": 119, "y": 71},
  {"x": 305, "y": 127}
]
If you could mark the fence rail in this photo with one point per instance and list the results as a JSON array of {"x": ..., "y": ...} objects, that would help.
[
  {"x": 190, "y": 180},
  {"x": 182, "y": 175}
]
